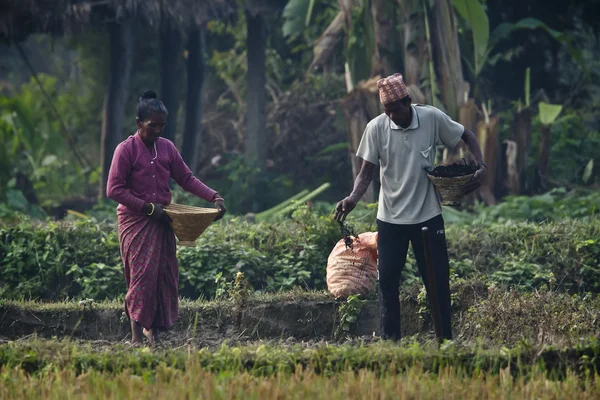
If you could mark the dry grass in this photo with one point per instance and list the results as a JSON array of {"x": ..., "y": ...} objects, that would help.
[{"x": 195, "y": 382}]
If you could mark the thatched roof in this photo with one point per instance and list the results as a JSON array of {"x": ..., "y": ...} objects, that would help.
[{"x": 19, "y": 18}]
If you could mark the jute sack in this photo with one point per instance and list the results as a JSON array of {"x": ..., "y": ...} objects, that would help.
[{"x": 353, "y": 271}]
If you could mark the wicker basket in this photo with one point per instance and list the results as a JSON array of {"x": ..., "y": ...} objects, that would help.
[
  {"x": 451, "y": 190},
  {"x": 188, "y": 222}
]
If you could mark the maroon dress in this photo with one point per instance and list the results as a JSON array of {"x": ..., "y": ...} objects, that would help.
[{"x": 148, "y": 248}]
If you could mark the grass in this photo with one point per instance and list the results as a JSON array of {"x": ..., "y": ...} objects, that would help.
[
  {"x": 195, "y": 382},
  {"x": 60, "y": 369},
  {"x": 488, "y": 314},
  {"x": 68, "y": 305}
]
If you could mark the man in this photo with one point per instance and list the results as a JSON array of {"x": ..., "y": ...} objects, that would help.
[{"x": 402, "y": 141}]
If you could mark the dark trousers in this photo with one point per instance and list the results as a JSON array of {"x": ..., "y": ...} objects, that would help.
[{"x": 392, "y": 248}]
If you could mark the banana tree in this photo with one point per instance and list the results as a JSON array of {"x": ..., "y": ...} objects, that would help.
[
  {"x": 474, "y": 14},
  {"x": 548, "y": 115}
]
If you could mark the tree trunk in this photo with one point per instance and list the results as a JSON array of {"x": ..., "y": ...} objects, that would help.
[
  {"x": 447, "y": 57},
  {"x": 512, "y": 171},
  {"x": 543, "y": 158},
  {"x": 468, "y": 116},
  {"x": 256, "y": 97},
  {"x": 383, "y": 12},
  {"x": 192, "y": 133},
  {"x": 521, "y": 135},
  {"x": 170, "y": 70},
  {"x": 325, "y": 46},
  {"x": 414, "y": 46},
  {"x": 121, "y": 52},
  {"x": 487, "y": 136},
  {"x": 360, "y": 106}
]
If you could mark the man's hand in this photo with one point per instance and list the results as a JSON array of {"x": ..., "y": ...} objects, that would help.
[
  {"x": 220, "y": 204},
  {"x": 344, "y": 207},
  {"x": 477, "y": 179}
]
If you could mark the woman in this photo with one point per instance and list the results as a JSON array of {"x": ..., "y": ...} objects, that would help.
[{"x": 139, "y": 181}]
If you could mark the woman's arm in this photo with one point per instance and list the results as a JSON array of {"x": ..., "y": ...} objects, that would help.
[
  {"x": 117, "y": 179},
  {"x": 184, "y": 177}
]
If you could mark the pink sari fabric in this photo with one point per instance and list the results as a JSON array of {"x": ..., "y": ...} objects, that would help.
[{"x": 148, "y": 251}]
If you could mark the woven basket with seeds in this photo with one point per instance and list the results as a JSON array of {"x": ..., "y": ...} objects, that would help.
[
  {"x": 451, "y": 181},
  {"x": 189, "y": 222}
]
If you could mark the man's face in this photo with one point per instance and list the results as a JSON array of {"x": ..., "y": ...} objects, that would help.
[{"x": 399, "y": 111}]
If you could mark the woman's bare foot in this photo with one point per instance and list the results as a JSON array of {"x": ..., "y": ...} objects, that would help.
[
  {"x": 151, "y": 335},
  {"x": 136, "y": 333}
]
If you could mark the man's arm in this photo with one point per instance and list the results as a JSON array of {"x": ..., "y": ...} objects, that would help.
[
  {"x": 471, "y": 141},
  {"x": 361, "y": 183}
]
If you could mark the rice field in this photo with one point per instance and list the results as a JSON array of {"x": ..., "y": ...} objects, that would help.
[{"x": 64, "y": 369}]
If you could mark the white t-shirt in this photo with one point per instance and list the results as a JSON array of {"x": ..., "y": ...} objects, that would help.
[{"x": 407, "y": 196}]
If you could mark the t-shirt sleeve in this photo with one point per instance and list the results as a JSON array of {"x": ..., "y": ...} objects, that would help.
[
  {"x": 368, "y": 149},
  {"x": 449, "y": 132}
]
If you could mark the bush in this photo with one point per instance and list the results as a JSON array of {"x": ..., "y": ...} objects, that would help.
[{"x": 82, "y": 259}]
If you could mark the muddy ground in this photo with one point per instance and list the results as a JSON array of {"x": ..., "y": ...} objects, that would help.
[{"x": 206, "y": 324}]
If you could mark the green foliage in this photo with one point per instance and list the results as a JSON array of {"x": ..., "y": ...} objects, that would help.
[
  {"x": 549, "y": 112},
  {"x": 474, "y": 13},
  {"x": 40, "y": 261},
  {"x": 573, "y": 145},
  {"x": 41, "y": 359},
  {"x": 36, "y": 145},
  {"x": 98, "y": 280},
  {"x": 296, "y": 16},
  {"x": 361, "y": 42},
  {"x": 82, "y": 259},
  {"x": 539, "y": 316},
  {"x": 555, "y": 205}
]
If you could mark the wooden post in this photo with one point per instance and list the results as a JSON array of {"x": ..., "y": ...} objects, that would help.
[
  {"x": 121, "y": 53},
  {"x": 192, "y": 133}
]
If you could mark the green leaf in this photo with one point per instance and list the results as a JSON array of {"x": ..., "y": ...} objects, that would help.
[
  {"x": 474, "y": 13},
  {"x": 587, "y": 173},
  {"x": 16, "y": 200},
  {"x": 311, "y": 5},
  {"x": 295, "y": 16},
  {"x": 49, "y": 160},
  {"x": 549, "y": 112},
  {"x": 533, "y": 23}
]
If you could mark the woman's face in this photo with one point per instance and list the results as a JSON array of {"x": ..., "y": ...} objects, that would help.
[{"x": 152, "y": 127}]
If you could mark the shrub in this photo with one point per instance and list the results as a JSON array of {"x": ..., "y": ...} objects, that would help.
[{"x": 53, "y": 260}]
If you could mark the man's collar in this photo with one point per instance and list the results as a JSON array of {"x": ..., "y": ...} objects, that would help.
[{"x": 414, "y": 123}]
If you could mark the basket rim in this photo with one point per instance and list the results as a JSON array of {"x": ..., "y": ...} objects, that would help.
[
  {"x": 451, "y": 177},
  {"x": 181, "y": 210}
]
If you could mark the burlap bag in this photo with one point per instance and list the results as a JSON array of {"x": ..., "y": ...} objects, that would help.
[{"x": 353, "y": 271}]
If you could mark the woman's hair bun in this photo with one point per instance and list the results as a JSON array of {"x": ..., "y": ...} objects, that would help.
[{"x": 148, "y": 94}]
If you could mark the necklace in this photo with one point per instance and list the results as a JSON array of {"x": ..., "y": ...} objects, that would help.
[{"x": 155, "y": 152}]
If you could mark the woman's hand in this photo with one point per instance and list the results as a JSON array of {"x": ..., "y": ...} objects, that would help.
[
  {"x": 158, "y": 214},
  {"x": 220, "y": 204}
]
